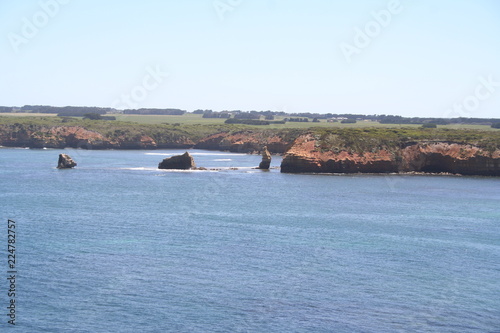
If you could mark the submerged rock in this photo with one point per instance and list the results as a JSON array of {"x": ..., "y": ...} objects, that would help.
[
  {"x": 65, "y": 162},
  {"x": 266, "y": 159},
  {"x": 182, "y": 162}
]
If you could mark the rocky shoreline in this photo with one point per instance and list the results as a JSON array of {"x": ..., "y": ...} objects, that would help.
[
  {"x": 245, "y": 141},
  {"x": 304, "y": 151}
]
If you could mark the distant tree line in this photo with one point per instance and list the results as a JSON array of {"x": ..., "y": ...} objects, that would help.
[
  {"x": 247, "y": 115},
  {"x": 65, "y": 111},
  {"x": 252, "y": 121},
  {"x": 70, "y": 111},
  {"x": 383, "y": 119},
  {"x": 6, "y": 109},
  {"x": 167, "y": 112},
  {"x": 97, "y": 116},
  {"x": 211, "y": 114},
  {"x": 297, "y": 120}
]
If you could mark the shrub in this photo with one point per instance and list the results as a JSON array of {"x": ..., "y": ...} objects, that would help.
[
  {"x": 429, "y": 125},
  {"x": 246, "y": 121},
  {"x": 92, "y": 116}
]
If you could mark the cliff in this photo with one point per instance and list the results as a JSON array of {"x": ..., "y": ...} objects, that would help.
[
  {"x": 128, "y": 136},
  {"x": 69, "y": 137},
  {"x": 306, "y": 156},
  {"x": 248, "y": 141}
]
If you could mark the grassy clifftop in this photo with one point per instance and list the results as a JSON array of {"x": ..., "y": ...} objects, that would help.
[
  {"x": 329, "y": 139},
  {"x": 369, "y": 139}
]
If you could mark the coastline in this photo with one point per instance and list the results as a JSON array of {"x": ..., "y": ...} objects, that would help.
[{"x": 312, "y": 150}]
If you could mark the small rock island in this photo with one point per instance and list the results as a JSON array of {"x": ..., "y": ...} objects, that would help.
[
  {"x": 266, "y": 159},
  {"x": 181, "y": 162},
  {"x": 65, "y": 162}
]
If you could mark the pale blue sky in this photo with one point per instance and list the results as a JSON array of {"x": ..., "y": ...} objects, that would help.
[{"x": 432, "y": 59}]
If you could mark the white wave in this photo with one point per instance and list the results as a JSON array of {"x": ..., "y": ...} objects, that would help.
[
  {"x": 234, "y": 168},
  {"x": 188, "y": 171}
]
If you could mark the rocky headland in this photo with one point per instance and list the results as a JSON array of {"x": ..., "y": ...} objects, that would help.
[{"x": 429, "y": 156}]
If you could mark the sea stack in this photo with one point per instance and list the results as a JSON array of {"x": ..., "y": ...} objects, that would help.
[
  {"x": 266, "y": 159},
  {"x": 182, "y": 162},
  {"x": 65, "y": 162}
]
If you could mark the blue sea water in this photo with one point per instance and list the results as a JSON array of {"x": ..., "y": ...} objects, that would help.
[{"x": 116, "y": 245}]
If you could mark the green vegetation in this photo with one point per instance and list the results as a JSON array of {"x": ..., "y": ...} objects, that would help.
[
  {"x": 252, "y": 121},
  {"x": 372, "y": 139},
  {"x": 113, "y": 129},
  {"x": 332, "y": 136},
  {"x": 198, "y": 119},
  {"x": 95, "y": 116},
  {"x": 187, "y": 119},
  {"x": 429, "y": 125},
  {"x": 79, "y": 111},
  {"x": 297, "y": 120},
  {"x": 495, "y": 125}
]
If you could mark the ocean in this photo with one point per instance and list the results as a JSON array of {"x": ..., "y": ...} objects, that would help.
[{"x": 116, "y": 245}]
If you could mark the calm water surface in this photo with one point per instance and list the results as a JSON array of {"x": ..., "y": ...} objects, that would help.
[{"x": 116, "y": 245}]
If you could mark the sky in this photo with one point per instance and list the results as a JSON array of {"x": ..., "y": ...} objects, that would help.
[{"x": 426, "y": 58}]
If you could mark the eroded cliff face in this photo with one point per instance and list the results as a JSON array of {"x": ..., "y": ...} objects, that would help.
[
  {"x": 78, "y": 137},
  {"x": 305, "y": 156},
  {"x": 244, "y": 142},
  {"x": 450, "y": 157},
  {"x": 68, "y": 136}
]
